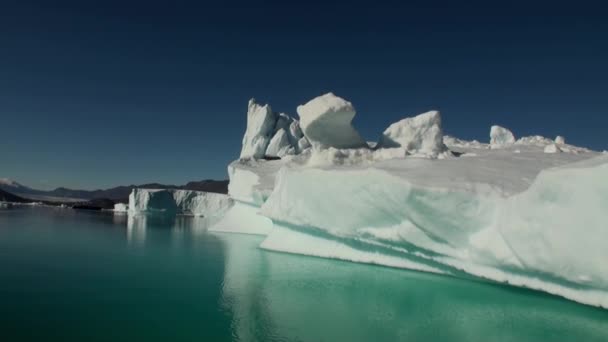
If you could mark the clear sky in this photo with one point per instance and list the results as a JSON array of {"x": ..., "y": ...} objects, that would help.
[{"x": 102, "y": 93}]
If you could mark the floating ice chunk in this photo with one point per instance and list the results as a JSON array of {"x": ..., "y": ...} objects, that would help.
[
  {"x": 121, "y": 208},
  {"x": 419, "y": 134},
  {"x": 171, "y": 201},
  {"x": 553, "y": 148},
  {"x": 560, "y": 140},
  {"x": 500, "y": 137},
  {"x": 326, "y": 122},
  {"x": 261, "y": 122}
]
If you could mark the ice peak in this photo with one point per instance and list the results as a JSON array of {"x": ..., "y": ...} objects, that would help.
[
  {"x": 324, "y": 104},
  {"x": 326, "y": 122},
  {"x": 418, "y": 134},
  {"x": 500, "y": 137}
]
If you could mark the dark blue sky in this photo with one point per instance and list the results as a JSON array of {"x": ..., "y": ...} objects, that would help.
[{"x": 101, "y": 93}]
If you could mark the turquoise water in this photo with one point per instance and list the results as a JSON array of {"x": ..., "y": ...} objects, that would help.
[{"x": 85, "y": 276}]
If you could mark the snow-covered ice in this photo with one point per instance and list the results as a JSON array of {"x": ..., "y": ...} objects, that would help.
[
  {"x": 260, "y": 125},
  {"x": 500, "y": 137},
  {"x": 552, "y": 148},
  {"x": 419, "y": 134},
  {"x": 326, "y": 122}
]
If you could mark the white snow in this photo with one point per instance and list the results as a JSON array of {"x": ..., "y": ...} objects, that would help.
[
  {"x": 260, "y": 125},
  {"x": 560, "y": 140},
  {"x": 552, "y": 148},
  {"x": 419, "y": 134},
  {"x": 534, "y": 140},
  {"x": 500, "y": 137},
  {"x": 455, "y": 143},
  {"x": 326, "y": 122},
  {"x": 170, "y": 201}
]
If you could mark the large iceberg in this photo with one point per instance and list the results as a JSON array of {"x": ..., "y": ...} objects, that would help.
[
  {"x": 171, "y": 201},
  {"x": 505, "y": 211}
]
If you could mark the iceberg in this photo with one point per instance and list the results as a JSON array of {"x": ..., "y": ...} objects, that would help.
[
  {"x": 186, "y": 202},
  {"x": 121, "y": 208},
  {"x": 504, "y": 212}
]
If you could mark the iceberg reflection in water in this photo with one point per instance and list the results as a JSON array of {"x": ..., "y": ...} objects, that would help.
[
  {"x": 91, "y": 276},
  {"x": 275, "y": 297}
]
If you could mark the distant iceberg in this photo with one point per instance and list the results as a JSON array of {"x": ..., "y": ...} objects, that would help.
[{"x": 171, "y": 201}]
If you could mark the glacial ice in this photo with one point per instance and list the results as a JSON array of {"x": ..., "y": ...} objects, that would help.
[
  {"x": 326, "y": 122},
  {"x": 270, "y": 134},
  {"x": 260, "y": 125},
  {"x": 121, "y": 208},
  {"x": 419, "y": 134},
  {"x": 500, "y": 137},
  {"x": 279, "y": 145},
  {"x": 505, "y": 211},
  {"x": 171, "y": 201}
]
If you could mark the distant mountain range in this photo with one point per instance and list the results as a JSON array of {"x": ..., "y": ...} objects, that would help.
[
  {"x": 8, "y": 197},
  {"x": 119, "y": 193}
]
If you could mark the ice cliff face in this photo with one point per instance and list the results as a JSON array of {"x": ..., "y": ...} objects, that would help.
[
  {"x": 170, "y": 201},
  {"x": 512, "y": 211}
]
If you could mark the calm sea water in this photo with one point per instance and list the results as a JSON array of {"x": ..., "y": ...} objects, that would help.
[{"x": 85, "y": 276}]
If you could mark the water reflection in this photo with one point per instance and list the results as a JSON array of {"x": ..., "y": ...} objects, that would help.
[
  {"x": 275, "y": 297},
  {"x": 70, "y": 275},
  {"x": 179, "y": 225}
]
